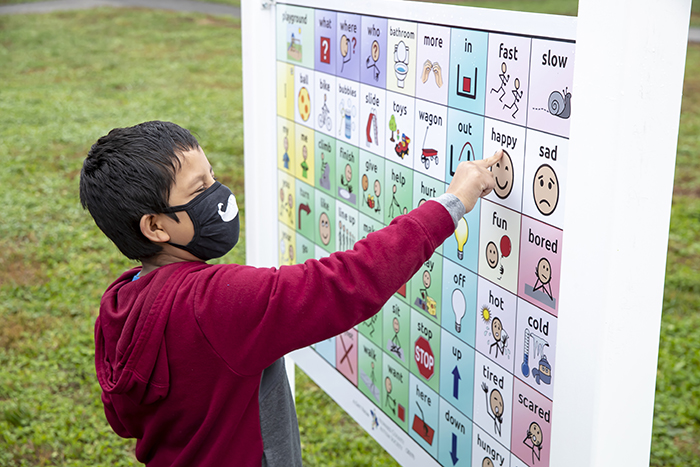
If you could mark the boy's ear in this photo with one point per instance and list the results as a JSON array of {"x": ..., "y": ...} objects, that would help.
[{"x": 152, "y": 228}]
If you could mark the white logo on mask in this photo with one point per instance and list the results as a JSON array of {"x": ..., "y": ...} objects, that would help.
[{"x": 231, "y": 209}]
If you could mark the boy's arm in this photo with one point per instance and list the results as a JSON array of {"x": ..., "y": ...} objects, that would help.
[{"x": 252, "y": 316}]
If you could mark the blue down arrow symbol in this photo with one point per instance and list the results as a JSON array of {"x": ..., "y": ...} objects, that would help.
[
  {"x": 455, "y": 387},
  {"x": 453, "y": 452}
]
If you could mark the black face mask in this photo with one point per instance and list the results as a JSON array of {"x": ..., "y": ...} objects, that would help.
[{"x": 214, "y": 215}]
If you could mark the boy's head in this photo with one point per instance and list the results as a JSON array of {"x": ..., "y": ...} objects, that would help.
[{"x": 128, "y": 174}]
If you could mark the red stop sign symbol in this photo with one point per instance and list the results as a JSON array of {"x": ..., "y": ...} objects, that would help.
[{"x": 424, "y": 358}]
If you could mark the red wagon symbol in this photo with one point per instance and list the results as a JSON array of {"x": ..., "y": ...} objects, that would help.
[{"x": 428, "y": 154}]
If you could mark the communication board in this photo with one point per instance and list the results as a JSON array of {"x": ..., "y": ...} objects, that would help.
[{"x": 373, "y": 114}]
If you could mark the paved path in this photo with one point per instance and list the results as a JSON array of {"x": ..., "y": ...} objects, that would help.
[
  {"x": 175, "y": 5},
  {"x": 694, "y": 34}
]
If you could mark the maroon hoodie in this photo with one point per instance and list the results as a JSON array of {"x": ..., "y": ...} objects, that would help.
[{"x": 180, "y": 352}]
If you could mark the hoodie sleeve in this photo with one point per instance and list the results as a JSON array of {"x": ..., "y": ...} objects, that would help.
[{"x": 253, "y": 316}]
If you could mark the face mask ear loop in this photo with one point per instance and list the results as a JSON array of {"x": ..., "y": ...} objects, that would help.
[
  {"x": 195, "y": 235},
  {"x": 195, "y": 221}
]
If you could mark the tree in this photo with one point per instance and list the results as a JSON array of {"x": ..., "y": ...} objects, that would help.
[{"x": 392, "y": 127}]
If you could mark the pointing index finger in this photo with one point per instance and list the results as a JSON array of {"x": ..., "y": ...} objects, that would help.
[{"x": 490, "y": 161}]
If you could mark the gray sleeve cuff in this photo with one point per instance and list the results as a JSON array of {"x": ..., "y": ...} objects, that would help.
[{"x": 453, "y": 205}]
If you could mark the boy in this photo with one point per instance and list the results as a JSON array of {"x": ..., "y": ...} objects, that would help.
[{"x": 188, "y": 355}]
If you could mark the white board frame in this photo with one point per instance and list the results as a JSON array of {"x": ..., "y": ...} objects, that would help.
[{"x": 597, "y": 420}]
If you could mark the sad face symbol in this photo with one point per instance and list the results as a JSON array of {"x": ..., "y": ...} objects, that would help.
[{"x": 545, "y": 189}]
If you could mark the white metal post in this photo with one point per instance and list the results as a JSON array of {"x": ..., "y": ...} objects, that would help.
[
  {"x": 258, "y": 52},
  {"x": 630, "y": 59},
  {"x": 627, "y": 93},
  {"x": 258, "y": 46}
]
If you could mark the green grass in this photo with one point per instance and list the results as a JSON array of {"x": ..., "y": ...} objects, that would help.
[
  {"x": 68, "y": 78},
  {"x": 556, "y": 7},
  {"x": 226, "y": 2},
  {"x": 552, "y": 7},
  {"x": 676, "y": 438}
]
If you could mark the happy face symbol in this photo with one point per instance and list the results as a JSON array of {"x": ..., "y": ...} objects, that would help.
[
  {"x": 503, "y": 175},
  {"x": 324, "y": 228},
  {"x": 426, "y": 279},
  {"x": 492, "y": 255},
  {"x": 545, "y": 189}
]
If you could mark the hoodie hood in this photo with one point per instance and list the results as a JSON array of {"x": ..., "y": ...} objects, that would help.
[{"x": 130, "y": 353}]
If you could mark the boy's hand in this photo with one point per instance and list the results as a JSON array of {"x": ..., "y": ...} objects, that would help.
[{"x": 473, "y": 180}]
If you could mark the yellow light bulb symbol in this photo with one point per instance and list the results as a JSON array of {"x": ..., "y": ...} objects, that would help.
[{"x": 461, "y": 234}]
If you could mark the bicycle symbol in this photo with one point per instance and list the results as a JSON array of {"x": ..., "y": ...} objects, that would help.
[{"x": 324, "y": 118}]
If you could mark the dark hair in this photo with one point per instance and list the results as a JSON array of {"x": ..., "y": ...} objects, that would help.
[{"x": 128, "y": 173}]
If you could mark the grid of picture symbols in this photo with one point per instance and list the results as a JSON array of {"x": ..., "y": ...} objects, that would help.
[{"x": 373, "y": 116}]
